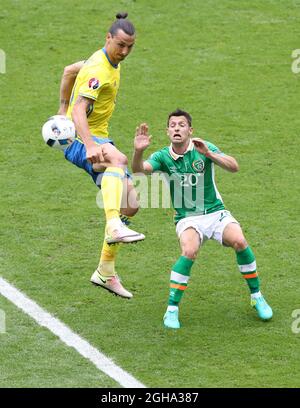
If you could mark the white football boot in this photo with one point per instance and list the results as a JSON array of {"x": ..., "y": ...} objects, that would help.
[
  {"x": 116, "y": 232},
  {"x": 112, "y": 284}
]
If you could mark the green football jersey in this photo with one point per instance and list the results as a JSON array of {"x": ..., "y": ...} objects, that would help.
[{"x": 191, "y": 180}]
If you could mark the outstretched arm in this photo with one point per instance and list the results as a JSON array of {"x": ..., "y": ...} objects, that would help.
[
  {"x": 67, "y": 82},
  {"x": 141, "y": 142},
  {"x": 226, "y": 162}
]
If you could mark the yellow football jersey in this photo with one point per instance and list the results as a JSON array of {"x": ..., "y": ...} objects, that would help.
[{"x": 99, "y": 80}]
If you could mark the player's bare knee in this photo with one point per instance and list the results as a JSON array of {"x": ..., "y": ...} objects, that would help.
[
  {"x": 113, "y": 156},
  {"x": 119, "y": 160},
  {"x": 190, "y": 253},
  {"x": 123, "y": 160},
  {"x": 240, "y": 244}
]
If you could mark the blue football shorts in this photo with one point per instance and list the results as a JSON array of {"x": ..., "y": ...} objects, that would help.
[{"x": 76, "y": 154}]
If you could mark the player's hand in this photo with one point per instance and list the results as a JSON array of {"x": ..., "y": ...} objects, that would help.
[
  {"x": 94, "y": 153},
  {"x": 142, "y": 138},
  {"x": 200, "y": 145}
]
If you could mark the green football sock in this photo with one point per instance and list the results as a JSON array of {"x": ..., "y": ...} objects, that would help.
[
  {"x": 180, "y": 275},
  {"x": 247, "y": 266}
]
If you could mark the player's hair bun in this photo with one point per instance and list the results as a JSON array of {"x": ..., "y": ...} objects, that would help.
[
  {"x": 121, "y": 15},
  {"x": 121, "y": 23}
]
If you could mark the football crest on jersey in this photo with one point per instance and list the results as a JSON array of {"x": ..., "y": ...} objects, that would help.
[
  {"x": 94, "y": 83},
  {"x": 198, "y": 165}
]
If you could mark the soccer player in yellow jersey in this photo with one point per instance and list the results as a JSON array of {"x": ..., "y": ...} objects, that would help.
[{"x": 90, "y": 104}]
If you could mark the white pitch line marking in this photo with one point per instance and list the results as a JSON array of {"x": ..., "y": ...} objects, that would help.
[{"x": 67, "y": 336}]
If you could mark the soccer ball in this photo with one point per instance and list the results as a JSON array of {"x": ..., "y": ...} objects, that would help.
[{"x": 58, "y": 132}]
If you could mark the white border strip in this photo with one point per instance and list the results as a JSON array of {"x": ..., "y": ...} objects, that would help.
[{"x": 67, "y": 336}]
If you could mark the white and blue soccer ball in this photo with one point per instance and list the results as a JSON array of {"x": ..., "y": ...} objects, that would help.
[{"x": 58, "y": 132}]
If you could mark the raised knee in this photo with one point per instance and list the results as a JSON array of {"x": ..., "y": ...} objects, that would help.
[
  {"x": 123, "y": 160},
  {"x": 190, "y": 253},
  {"x": 120, "y": 160},
  {"x": 240, "y": 244}
]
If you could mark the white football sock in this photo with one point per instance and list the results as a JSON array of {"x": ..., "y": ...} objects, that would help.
[
  {"x": 172, "y": 308},
  {"x": 255, "y": 295}
]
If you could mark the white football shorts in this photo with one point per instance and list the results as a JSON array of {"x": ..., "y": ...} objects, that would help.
[{"x": 208, "y": 226}]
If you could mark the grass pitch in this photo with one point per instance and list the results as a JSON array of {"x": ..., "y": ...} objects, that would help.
[{"x": 229, "y": 64}]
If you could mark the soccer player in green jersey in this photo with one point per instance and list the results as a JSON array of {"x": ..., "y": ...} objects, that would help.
[{"x": 189, "y": 163}]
